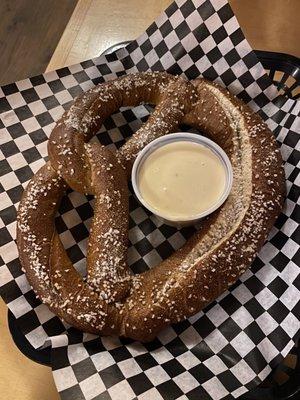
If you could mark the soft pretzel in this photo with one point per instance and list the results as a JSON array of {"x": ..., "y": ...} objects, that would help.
[{"x": 111, "y": 300}]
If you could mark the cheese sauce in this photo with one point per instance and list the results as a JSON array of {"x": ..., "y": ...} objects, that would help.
[{"x": 182, "y": 179}]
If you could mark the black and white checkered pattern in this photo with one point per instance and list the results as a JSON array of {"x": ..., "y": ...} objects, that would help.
[{"x": 232, "y": 345}]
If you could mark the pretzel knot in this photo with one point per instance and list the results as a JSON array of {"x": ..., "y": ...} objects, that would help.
[{"x": 110, "y": 299}]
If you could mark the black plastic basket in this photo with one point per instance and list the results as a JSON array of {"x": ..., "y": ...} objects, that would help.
[{"x": 284, "y": 70}]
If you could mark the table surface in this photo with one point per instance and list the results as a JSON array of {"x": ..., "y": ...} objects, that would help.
[{"x": 94, "y": 26}]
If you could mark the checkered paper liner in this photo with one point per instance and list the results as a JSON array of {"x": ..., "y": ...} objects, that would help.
[{"x": 232, "y": 345}]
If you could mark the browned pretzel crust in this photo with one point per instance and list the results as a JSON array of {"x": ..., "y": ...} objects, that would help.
[{"x": 111, "y": 300}]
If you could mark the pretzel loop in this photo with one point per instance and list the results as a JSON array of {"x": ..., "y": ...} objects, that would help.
[{"x": 110, "y": 300}]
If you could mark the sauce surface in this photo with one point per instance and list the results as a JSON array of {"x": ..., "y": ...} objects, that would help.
[{"x": 182, "y": 179}]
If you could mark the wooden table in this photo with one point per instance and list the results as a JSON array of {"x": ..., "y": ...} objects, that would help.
[
  {"x": 94, "y": 26},
  {"x": 98, "y": 24}
]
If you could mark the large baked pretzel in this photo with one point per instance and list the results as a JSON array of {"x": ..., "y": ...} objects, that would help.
[{"x": 111, "y": 300}]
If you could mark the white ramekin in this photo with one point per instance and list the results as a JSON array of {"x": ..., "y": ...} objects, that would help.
[{"x": 182, "y": 137}]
